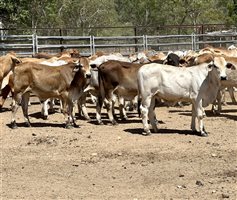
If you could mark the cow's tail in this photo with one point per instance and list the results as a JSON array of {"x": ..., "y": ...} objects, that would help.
[
  {"x": 101, "y": 95},
  {"x": 138, "y": 105},
  {"x": 139, "y": 99}
]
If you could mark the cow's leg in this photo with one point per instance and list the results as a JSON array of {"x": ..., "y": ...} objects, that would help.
[
  {"x": 216, "y": 105},
  {"x": 145, "y": 105},
  {"x": 64, "y": 110},
  {"x": 51, "y": 105},
  {"x": 193, "y": 120},
  {"x": 152, "y": 115},
  {"x": 109, "y": 107},
  {"x": 4, "y": 93},
  {"x": 44, "y": 110},
  {"x": 98, "y": 113},
  {"x": 99, "y": 105},
  {"x": 200, "y": 115},
  {"x": 122, "y": 111},
  {"x": 24, "y": 105},
  {"x": 232, "y": 95},
  {"x": 15, "y": 105},
  {"x": 81, "y": 104},
  {"x": 219, "y": 103},
  {"x": 113, "y": 100},
  {"x": 71, "y": 117}
]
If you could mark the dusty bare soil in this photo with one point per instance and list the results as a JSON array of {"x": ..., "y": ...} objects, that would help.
[{"x": 93, "y": 161}]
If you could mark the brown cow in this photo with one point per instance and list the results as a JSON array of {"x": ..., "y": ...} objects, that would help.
[
  {"x": 119, "y": 78},
  {"x": 65, "y": 82}
]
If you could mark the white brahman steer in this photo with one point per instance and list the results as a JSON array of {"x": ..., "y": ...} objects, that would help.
[{"x": 198, "y": 85}]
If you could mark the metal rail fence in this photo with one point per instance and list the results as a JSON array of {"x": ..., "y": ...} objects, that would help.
[{"x": 88, "y": 45}]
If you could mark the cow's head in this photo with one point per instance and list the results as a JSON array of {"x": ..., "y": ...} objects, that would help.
[
  {"x": 219, "y": 65},
  {"x": 172, "y": 59},
  {"x": 84, "y": 66},
  {"x": 14, "y": 59}
]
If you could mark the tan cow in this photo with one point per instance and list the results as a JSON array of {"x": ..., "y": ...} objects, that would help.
[
  {"x": 65, "y": 82},
  {"x": 7, "y": 63},
  {"x": 219, "y": 51}
]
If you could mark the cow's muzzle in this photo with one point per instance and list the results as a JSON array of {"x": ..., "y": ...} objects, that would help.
[
  {"x": 88, "y": 76},
  {"x": 223, "y": 78}
]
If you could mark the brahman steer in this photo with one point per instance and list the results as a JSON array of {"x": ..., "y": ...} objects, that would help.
[
  {"x": 65, "y": 82},
  {"x": 198, "y": 85}
]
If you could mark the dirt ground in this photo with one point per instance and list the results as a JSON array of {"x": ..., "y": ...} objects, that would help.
[{"x": 93, "y": 161}]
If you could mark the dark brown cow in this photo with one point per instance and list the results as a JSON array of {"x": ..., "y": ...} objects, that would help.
[
  {"x": 65, "y": 82},
  {"x": 119, "y": 78}
]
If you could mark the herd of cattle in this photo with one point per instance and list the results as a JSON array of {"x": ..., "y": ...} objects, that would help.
[{"x": 145, "y": 79}]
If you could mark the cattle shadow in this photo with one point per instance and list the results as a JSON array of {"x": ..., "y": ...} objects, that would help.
[
  {"x": 209, "y": 113},
  {"x": 2, "y": 110},
  {"x": 182, "y": 112},
  {"x": 39, "y": 124},
  {"x": 140, "y": 131},
  {"x": 36, "y": 115},
  {"x": 132, "y": 118},
  {"x": 224, "y": 114}
]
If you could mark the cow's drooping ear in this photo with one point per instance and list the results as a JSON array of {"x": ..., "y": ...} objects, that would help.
[
  {"x": 16, "y": 60},
  {"x": 230, "y": 66}
]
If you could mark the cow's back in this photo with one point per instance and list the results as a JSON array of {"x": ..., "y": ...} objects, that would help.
[
  {"x": 170, "y": 83},
  {"x": 120, "y": 73}
]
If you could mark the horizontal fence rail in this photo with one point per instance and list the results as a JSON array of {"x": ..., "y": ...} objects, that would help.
[{"x": 89, "y": 45}]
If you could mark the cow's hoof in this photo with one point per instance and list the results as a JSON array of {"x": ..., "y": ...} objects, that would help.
[
  {"x": 69, "y": 126},
  {"x": 51, "y": 111},
  {"x": 13, "y": 125},
  {"x": 100, "y": 123},
  {"x": 114, "y": 123},
  {"x": 75, "y": 125},
  {"x": 125, "y": 118},
  {"x": 146, "y": 133},
  {"x": 45, "y": 117},
  {"x": 27, "y": 124},
  {"x": 88, "y": 119},
  {"x": 204, "y": 134}
]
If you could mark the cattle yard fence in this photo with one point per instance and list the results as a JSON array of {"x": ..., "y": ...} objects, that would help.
[{"x": 88, "y": 45}]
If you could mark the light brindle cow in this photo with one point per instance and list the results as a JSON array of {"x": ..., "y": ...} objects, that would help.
[{"x": 65, "y": 82}]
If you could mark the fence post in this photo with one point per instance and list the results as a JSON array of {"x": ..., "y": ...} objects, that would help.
[
  {"x": 92, "y": 45},
  {"x": 36, "y": 43},
  {"x": 193, "y": 41},
  {"x": 145, "y": 42},
  {"x": 33, "y": 43},
  {"x": 135, "y": 34}
]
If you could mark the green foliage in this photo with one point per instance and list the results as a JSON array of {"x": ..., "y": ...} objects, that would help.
[{"x": 84, "y": 15}]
